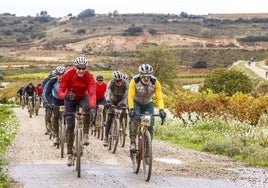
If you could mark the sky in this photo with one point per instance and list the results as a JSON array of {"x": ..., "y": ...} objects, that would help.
[{"x": 60, "y": 8}]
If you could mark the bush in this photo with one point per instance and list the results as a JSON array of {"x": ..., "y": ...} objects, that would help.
[
  {"x": 80, "y": 31},
  {"x": 200, "y": 64},
  {"x": 134, "y": 31},
  {"x": 152, "y": 31}
]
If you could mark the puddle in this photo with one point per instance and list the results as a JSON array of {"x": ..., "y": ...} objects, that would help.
[{"x": 169, "y": 161}]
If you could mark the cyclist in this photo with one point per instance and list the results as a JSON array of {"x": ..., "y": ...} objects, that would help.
[
  {"x": 116, "y": 94},
  {"x": 51, "y": 96},
  {"x": 29, "y": 91},
  {"x": 142, "y": 88},
  {"x": 45, "y": 101},
  {"x": 39, "y": 91},
  {"x": 77, "y": 88},
  {"x": 20, "y": 93},
  {"x": 125, "y": 77},
  {"x": 100, "y": 92}
]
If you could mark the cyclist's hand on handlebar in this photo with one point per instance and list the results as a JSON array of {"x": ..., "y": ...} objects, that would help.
[
  {"x": 70, "y": 96},
  {"x": 123, "y": 105},
  {"x": 131, "y": 113},
  {"x": 93, "y": 112},
  {"x": 107, "y": 104},
  {"x": 162, "y": 114}
]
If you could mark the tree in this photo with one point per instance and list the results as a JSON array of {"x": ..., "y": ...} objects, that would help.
[
  {"x": 227, "y": 81},
  {"x": 164, "y": 63},
  {"x": 87, "y": 13}
]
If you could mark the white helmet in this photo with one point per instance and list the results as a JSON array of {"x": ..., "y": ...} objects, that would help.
[
  {"x": 53, "y": 73},
  {"x": 60, "y": 70},
  {"x": 145, "y": 69},
  {"x": 117, "y": 75},
  {"x": 81, "y": 61},
  {"x": 124, "y": 76}
]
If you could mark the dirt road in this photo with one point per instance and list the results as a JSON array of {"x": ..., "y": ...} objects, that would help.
[{"x": 35, "y": 162}]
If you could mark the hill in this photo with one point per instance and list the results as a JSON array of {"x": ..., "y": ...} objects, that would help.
[{"x": 212, "y": 38}]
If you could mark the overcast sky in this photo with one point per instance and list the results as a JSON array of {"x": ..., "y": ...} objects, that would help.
[{"x": 60, "y": 8}]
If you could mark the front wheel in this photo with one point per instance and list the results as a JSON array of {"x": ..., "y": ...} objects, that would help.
[
  {"x": 122, "y": 133},
  {"x": 114, "y": 135},
  {"x": 79, "y": 145},
  {"x": 147, "y": 157}
]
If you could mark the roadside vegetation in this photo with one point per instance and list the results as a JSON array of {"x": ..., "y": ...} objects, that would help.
[{"x": 8, "y": 129}]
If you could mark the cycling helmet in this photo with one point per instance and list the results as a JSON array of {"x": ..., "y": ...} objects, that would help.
[
  {"x": 53, "y": 73},
  {"x": 99, "y": 77},
  {"x": 80, "y": 61},
  {"x": 145, "y": 69},
  {"x": 117, "y": 75},
  {"x": 125, "y": 77},
  {"x": 60, "y": 70}
]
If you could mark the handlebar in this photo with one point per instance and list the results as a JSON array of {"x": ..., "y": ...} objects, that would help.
[{"x": 162, "y": 119}]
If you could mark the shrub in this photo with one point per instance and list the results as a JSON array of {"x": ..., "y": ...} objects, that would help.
[{"x": 200, "y": 64}]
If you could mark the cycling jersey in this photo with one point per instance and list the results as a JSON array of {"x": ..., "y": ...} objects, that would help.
[
  {"x": 117, "y": 93},
  {"x": 143, "y": 94},
  {"x": 100, "y": 90},
  {"x": 80, "y": 86}
]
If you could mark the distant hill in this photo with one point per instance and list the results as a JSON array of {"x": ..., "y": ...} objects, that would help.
[{"x": 121, "y": 33}]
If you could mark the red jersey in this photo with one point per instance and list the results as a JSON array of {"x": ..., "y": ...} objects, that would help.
[
  {"x": 100, "y": 90},
  {"x": 80, "y": 86},
  {"x": 39, "y": 90}
]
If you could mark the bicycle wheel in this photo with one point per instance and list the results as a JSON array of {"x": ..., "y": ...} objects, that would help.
[
  {"x": 136, "y": 157},
  {"x": 79, "y": 145},
  {"x": 30, "y": 109},
  {"x": 122, "y": 133},
  {"x": 36, "y": 109},
  {"x": 114, "y": 135},
  {"x": 147, "y": 157}
]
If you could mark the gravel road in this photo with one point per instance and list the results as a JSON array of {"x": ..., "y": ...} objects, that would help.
[{"x": 35, "y": 162}]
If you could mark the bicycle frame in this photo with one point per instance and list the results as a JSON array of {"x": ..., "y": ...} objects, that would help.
[{"x": 99, "y": 123}]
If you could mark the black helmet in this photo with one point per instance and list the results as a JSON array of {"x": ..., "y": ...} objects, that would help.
[
  {"x": 30, "y": 84},
  {"x": 99, "y": 77}
]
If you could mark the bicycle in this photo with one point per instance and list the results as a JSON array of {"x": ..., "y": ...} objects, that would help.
[
  {"x": 62, "y": 131},
  {"x": 22, "y": 101},
  {"x": 99, "y": 123},
  {"x": 78, "y": 140},
  {"x": 37, "y": 104},
  {"x": 144, "y": 150},
  {"x": 30, "y": 106},
  {"x": 114, "y": 133}
]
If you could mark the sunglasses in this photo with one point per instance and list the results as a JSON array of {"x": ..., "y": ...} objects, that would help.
[
  {"x": 145, "y": 77},
  {"x": 118, "y": 81},
  {"x": 81, "y": 68},
  {"x": 99, "y": 80}
]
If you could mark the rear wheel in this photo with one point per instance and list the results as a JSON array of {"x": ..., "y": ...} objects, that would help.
[{"x": 147, "y": 157}]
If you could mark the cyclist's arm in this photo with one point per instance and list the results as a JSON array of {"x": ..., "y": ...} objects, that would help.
[
  {"x": 63, "y": 86},
  {"x": 108, "y": 91},
  {"x": 49, "y": 88},
  {"x": 159, "y": 95},
  {"x": 92, "y": 91},
  {"x": 131, "y": 93}
]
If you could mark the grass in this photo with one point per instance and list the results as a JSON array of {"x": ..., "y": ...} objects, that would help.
[
  {"x": 238, "y": 140},
  {"x": 8, "y": 129}
]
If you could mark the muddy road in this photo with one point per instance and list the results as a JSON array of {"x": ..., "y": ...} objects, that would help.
[{"x": 35, "y": 162}]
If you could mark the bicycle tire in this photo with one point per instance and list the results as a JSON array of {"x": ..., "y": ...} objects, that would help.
[
  {"x": 78, "y": 151},
  {"x": 62, "y": 131},
  {"x": 30, "y": 110},
  {"x": 138, "y": 155},
  {"x": 122, "y": 133},
  {"x": 115, "y": 135},
  {"x": 147, "y": 157},
  {"x": 101, "y": 127}
]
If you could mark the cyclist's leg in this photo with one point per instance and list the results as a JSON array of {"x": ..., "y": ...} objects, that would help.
[
  {"x": 150, "y": 108},
  {"x": 84, "y": 104},
  {"x": 70, "y": 107},
  {"x": 133, "y": 126},
  {"x": 55, "y": 121}
]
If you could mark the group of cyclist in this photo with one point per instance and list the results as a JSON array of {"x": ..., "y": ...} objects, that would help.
[
  {"x": 77, "y": 87},
  {"x": 29, "y": 91}
]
